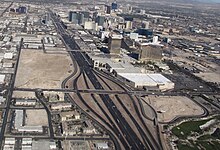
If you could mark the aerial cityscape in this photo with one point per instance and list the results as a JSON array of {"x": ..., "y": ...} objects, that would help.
[{"x": 110, "y": 75}]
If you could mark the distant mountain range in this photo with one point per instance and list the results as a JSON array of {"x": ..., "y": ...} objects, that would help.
[
  {"x": 208, "y": 1},
  {"x": 195, "y": 1}
]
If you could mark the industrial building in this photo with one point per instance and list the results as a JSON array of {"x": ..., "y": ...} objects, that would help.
[
  {"x": 9, "y": 147},
  {"x": 61, "y": 106},
  {"x": 19, "y": 123},
  {"x": 25, "y": 102},
  {"x": 43, "y": 145},
  {"x": 9, "y": 141},
  {"x": 2, "y": 100},
  {"x": 8, "y": 55},
  {"x": 141, "y": 80},
  {"x": 18, "y": 119},
  {"x": 2, "y": 79},
  {"x": 38, "y": 129},
  {"x": 26, "y": 141},
  {"x": 122, "y": 68}
]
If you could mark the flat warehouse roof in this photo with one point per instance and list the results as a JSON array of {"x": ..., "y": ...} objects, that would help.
[
  {"x": 139, "y": 78},
  {"x": 159, "y": 78},
  {"x": 145, "y": 79},
  {"x": 2, "y": 78}
]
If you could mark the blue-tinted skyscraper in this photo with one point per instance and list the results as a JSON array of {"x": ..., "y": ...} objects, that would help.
[
  {"x": 100, "y": 20},
  {"x": 146, "y": 32},
  {"x": 114, "y": 6},
  {"x": 21, "y": 10},
  {"x": 73, "y": 17},
  {"x": 81, "y": 18}
]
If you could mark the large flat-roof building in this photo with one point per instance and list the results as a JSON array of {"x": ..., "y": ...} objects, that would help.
[
  {"x": 19, "y": 123},
  {"x": 140, "y": 80},
  {"x": 19, "y": 115}
]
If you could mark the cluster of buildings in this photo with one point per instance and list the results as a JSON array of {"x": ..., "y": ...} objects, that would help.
[
  {"x": 96, "y": 145},
  {"x": 28, "y": 144},
  {"x": 115, "y": 29},
  {"x": 118, "y": 44},
  {"x": 72, "y": 123}
]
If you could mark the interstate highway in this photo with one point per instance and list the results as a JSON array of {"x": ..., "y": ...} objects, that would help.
[{"x": 130, "y": 136}]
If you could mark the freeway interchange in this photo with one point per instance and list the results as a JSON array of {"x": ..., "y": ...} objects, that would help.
[{"x": 122, "y": 133}]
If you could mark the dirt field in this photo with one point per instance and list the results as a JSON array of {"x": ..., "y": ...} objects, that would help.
[
  {"x": 173, "y": 106},
  {"x": 36, "y": 117},
  {"x": 209, "y": 77},
  {"x": 40, "y": 70},
  {"x": 21, "y": 94}
]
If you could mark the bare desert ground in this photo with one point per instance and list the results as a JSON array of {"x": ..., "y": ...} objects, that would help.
[
  {"x": 37, "y": 117},
  {"x": 169, "y": 107},
  {"x": 41, "y": 70}
]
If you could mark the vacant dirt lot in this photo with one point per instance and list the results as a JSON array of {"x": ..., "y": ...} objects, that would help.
[
  {"x": 209, "y": 77},
  {"x": 169, "y": 107},
  {"x": 41, "y": 70},
  {"x": 36, "y": 117}
]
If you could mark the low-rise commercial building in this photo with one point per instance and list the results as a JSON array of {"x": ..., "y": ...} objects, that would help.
[
  {"x": 2, "y": 79},
  {"x": 61, "y": 106},
  {"x": 8, "y": 55},
  {"x": 25, "y": 102},
  {"x": 9, "y": 147},
  {"x": 69, "y": 116},
  {"x": 2, "y": 100},
  {"x": 38, "y": 129},
  {"x": 102, "y": 146},
  {"x": 26, "y": 141},
  {"x": 9, "y": 141}
]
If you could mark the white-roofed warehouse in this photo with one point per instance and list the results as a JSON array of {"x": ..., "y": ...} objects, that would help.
[
  {"x": 2, "y": 78},
  {"x": 140, "y": 80}
]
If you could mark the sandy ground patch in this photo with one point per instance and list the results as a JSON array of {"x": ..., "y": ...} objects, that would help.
[
  {"x": 169, "y": 107},
  {"x": 22, "y": 94},
  {"x": 36, "y": 117},
  {"x": 41, "y": 70},
  {"x": 210, "y": 77}
]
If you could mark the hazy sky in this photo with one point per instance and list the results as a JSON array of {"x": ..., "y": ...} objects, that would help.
[{"x": 213, "y": 1}]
